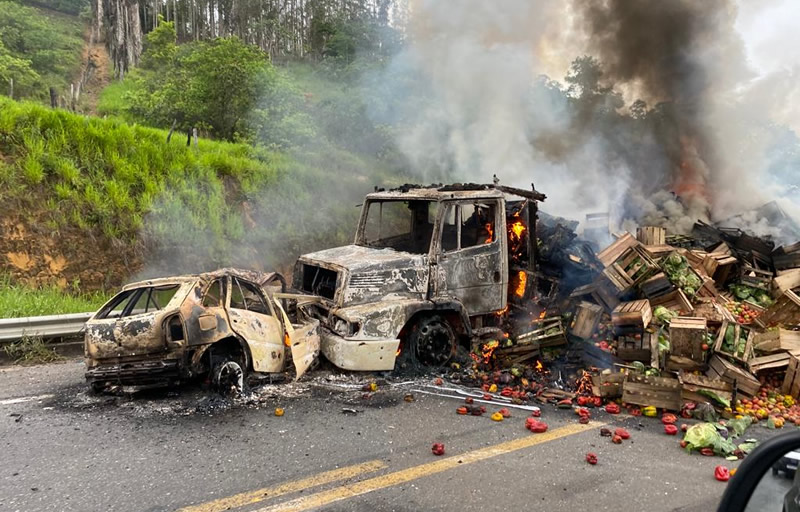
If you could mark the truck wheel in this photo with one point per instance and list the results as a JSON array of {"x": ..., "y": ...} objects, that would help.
[{"x": 432, "y": 341}]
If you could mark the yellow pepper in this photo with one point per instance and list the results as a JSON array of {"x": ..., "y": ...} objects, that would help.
[
  {"x": 278, "y": 411},
  {"x": 650, "y": 411},
  {"x": 497, "y": 417},
  {"x": 493, "y": 388}
]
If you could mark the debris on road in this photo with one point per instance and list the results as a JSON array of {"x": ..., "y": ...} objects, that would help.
[{"x": 438, "y": 448}]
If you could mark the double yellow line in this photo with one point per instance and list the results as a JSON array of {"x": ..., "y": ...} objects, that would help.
[{"x": 402, "y": 476}]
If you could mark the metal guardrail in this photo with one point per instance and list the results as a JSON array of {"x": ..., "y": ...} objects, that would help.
[{"x": 50, "y": 326}]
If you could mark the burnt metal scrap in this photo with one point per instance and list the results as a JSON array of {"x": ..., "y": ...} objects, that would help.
[{"x": 221, "y": 325}]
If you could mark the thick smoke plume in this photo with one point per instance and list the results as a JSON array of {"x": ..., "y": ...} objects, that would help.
[{"x": 484, "y": 101}]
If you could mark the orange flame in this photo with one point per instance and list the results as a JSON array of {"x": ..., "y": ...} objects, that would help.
[
  {"x": 542, "y": 314},
  {"x": 487, "y": 351},
  {"x": 522, "y": 280},
  {"x": 490, "y": 233},
  {"x": 502, "y": 311},
  {"x": 539, "y": 366},
  {"x": 518, "y": 228}
]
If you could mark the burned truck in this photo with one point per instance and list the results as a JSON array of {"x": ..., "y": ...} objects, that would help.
[{"x": 431, "y": 267}]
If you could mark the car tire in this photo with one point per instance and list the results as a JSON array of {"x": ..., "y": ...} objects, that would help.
[
  {"x": 432, "y": 341},
  {"x": 228, "y": 378},
  {"x": 97, "y": 387}
]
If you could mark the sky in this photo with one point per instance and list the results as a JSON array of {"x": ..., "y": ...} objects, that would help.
[{"x": 771, "y": 32}]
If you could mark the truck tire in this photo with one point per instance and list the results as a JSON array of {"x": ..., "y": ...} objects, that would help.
[{"x": 432, "y": 341}]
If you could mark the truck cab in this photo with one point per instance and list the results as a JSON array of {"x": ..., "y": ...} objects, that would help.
[{"x": 428, "y": 266}]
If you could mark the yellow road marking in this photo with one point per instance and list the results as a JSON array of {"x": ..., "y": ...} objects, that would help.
[
  {"x": 250, "y": 497},
  {"x": 406, "y": 475}
]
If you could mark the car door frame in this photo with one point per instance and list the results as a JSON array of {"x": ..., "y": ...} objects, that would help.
[{"x": 264, "y": 334}]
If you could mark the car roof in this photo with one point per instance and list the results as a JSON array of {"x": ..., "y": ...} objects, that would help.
[
  {"x": 254, "y": 276},
  {"x": 438, "y": 192}
]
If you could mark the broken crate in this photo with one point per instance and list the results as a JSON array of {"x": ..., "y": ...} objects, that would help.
[
  {"x": 660, "y": 392},
  {"x": 687, "y": 336}
]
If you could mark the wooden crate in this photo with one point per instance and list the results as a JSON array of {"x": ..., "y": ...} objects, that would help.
[
  {"x": 634, "y": 344},
  {"x": 633, "y": 313},
  {"x": 692, "y": 385},
  {"x": 656, "y": 286},
  {"x": 744, "y": 381},
  {"x": 755, "y": 278},
  {"x": 787, "y": 257},
  {"x": 739, "y": 332},
  {"x": 633, "y": 267},
  {"x": 659, "y": 251},
  {"x": 651, "y": 235},
  {"x": 614, "y": 251},
  {"x": 785, "y": 311},
  {"x": 547, "y": 332},
  {"x": 683, "y": 364},
  {"x": 686, "y": 337},
  {"x": 587, "y": 315},
  {"x": 608, "y": 385},
  {"x": 603, "y": 293},
  {"x": 675, "y": 300},
  {"x": 712, "y": 311},
  {"x": 660, "y": 392},
  {"x": 791, "y": 381},
  {"x": 776, "y": 340},
  {"x": 786, "y": 280},
  {"x": 720, "y": 267},
  {"x": 770, "y": 363}
]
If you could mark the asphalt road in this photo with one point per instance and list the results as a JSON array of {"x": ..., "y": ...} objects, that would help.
[{"x": 66, "y": 449}]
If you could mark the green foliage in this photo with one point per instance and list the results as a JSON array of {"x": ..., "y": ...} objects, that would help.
[
  {"x": 18, "y": 301},
  {"x": 74, "y": 7},
  {"x": 31, "y": 350},
  {"x": 37, "y": 50},
  {"x": 226, "y": 87}
]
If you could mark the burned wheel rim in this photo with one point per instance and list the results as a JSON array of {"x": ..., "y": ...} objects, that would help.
[
  {"x": 434, "y": 342},
  {"x": 228, "y": 378}
]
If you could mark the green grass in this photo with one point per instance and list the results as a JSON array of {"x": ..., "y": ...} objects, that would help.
[
  {"x": 111, "y": 101},
  {"x": 18, "y": 300},
  {"x": 31, "y": 350},
  {"x": 216, "y": 204}
]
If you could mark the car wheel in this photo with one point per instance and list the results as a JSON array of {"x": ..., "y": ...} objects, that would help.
[
  {"x": 228, "y": 378},
  {"x": 432, "y": 341}
]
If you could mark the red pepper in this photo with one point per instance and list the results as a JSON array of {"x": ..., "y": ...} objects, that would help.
[
  {"x": 670, "y": 430},
  {"x": 683, "y": 443},
  {"x": 487, "y": 396},
  {"x": 535, "y": 414},
  {"x": 535, "y": 425},
  {"x": 598, "y": 402},
  {"x": 582, "y": 411},
  {"x": 668, "y": 418},
  {"x": 583, "y": 400},
  {"x": 622, "y": 433},
  {"x": 505, "y": 412},
  {"x": 708, "y": 452},
  {"x": 469, "y": 400},
  {"x": 462, "y": 410},
  {"x": 438, "y": 448},
  {"x": 485, "y": 387},
  {"x": 583, "y": 420},
  {"x": 591, "y": 458},
  {"x": 616, "y": 439},
  {"x": 635, "y": 411},
  {"x": 722, "y": 474},
  {"x": 506, "y": 392},
  {"x": 612, "y": 408}
]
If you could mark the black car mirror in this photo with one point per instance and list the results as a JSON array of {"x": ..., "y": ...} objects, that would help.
[{"x": 768, "y": 479}]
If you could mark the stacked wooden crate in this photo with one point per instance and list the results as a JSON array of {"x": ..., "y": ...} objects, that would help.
[{"x": 630, "y": 320}]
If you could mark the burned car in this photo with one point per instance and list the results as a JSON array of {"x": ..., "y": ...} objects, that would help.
[{"x": 220, "y": 324}]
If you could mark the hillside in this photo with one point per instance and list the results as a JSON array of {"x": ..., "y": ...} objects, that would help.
[{"x": 93, "y": 202}]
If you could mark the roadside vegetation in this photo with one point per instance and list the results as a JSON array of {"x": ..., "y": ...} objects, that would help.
[
  {"x": 31, "y": 350},
  {"x": 18, "y": 301},
  {"x": 39, "y": 48}
]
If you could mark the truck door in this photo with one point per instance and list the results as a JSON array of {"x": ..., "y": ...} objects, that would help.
[{"x": 470, "y": 263}]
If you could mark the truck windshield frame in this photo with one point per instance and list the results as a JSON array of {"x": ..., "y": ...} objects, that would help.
[{"x": 405, "y": 225}]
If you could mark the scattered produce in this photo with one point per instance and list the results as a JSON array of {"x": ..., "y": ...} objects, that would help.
[
  {"x": 497, "y": 417},
  {"x": 668, "y": 418},
  {"x": 438, "y": 448},
  {"x": 722, "y": 474},
  {"x": 462, "y": 410},
  {"x": 612, "y": 408},
  {"x": 670, "y": 430},
  {"x": 591, "y": 458},
  {"x": 278, "y": 411},
  {"x": 616, "y": 439},
  {"x": 622, "y": 433}
]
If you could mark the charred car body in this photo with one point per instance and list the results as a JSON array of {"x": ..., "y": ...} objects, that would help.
[
  {"x": 221, "y": 324},
  {"x": 429, "y": 267}
]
